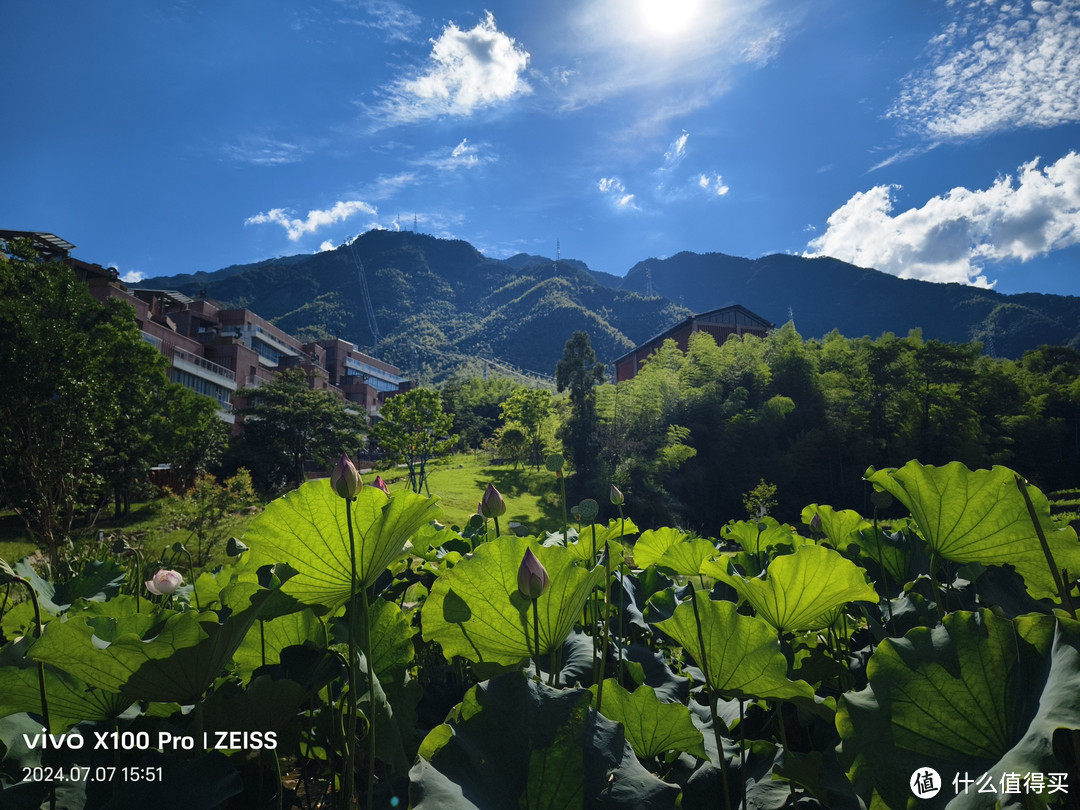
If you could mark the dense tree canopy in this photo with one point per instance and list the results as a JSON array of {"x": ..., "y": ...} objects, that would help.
[
  {"x": 287, "y": 424},
  {"x": 79, "y": 396},
  {"x": 413, "y": 428},
  {"x": 578, "y": 373},
  {"x": 696, "y": 430}
]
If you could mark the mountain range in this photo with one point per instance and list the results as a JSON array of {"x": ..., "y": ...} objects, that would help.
[{"x": 432, "y": 305}]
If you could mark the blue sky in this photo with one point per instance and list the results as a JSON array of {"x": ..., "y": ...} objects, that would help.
[{"x": 928, "y": 139}]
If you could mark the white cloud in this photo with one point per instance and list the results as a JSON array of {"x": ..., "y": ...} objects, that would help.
[
  {"x": 325, "y": 246},
  {"x": 467, "y": 71},
  {"x": 465, "y": 155},
  {"x": 394, "y": 20},
  {"x": 610, "y": 185},
  {"x": 765, "y": 48},
  {"x": 131, "y": 276},
  {"x": 677, "y": 151},
  {"x": 316, "y": 219},
  {"x": 616, "y": 191},
  {"x": 387, "y": 185},
  {"x": 260, "y": 150},
  {"x": 951, "y": 237},
  {"x": 997, "y": 67},
  {"x": 713, "y": 183}
]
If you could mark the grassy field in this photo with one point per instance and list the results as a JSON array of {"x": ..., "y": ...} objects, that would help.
[
  {"x": 459, "y": 482},
  {"x": 146, "y": 525}
]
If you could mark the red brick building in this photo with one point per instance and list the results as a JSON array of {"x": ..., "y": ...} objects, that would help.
[
  {"x": 720, "y": 323},
  {"x": 217, "y": 352}
]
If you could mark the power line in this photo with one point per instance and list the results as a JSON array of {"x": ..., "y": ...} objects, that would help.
[{"x": 369, "y": 310}]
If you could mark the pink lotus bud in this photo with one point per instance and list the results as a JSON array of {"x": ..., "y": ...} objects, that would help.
[
  {"x": 165, "y": 582},
  {"x": 532, "y": 577},
  {"x": 344, "y": 478},
  {"x": 492, "y": 504},
  {"x": 617, "y": 498},
  {"x": 378, "y": 483}
]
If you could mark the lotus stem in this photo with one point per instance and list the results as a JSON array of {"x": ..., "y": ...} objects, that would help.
[
  {"x": 712, "y": 698},
  {"x": 1063, "y": 592},
  {"x": 784, "y": 742},
  {"x": 742, "y": 751},
  {"x": 371, "y": 699},
  {"x": 599, "y": 678},
  {"x": 349, "y": 778},
  {"x": 536, "y": 638}
]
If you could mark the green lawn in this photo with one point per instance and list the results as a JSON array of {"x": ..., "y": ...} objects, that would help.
[
  {"x": 532, "y": 498},
  {"x": 459, "y": 481},
  {"x": 147, "y": 524}
]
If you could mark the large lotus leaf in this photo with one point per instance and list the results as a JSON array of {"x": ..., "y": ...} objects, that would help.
[
  {"x": 264, "y": 642},
  {"x": 518, "y": 743},
  {"x": 672, "y": 551},
  {"x": 838, "y": 526},
  {"x": 70, "y": 700},
  {"x": 97, "y": 580},
  {"x": 802, "y": 591},
  {"x": 977, "y": 693},
  {"x": 651, "y": 726},
  {"x": 474, "y": 610},
  {"x": 608, "y": 537},
  {"x": 176, "y": 660},
  {"x": 899, "y": 552},
  {"x": 391, "y": 635},
  {"x": 308, "y": 529},
  {"x": 764, "y": 535},
  {"x": 980, "y": 516},
  {"x": 741, "y": 653},
  {"x": 653, "y": 543}
]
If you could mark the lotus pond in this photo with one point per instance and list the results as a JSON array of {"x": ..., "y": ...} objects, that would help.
[{"x": 355, "y": 652}]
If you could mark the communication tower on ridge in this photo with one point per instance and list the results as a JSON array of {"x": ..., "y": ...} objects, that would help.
[{"x": 558, "y": 250}]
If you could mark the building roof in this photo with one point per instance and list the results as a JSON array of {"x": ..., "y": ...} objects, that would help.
[
  {"x": 756, "y": 322},
  {"x": 48, "y": 245}
]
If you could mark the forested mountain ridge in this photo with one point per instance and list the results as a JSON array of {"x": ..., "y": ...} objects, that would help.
[
  {"x": 438, "y": 302},
  {"x": 823, "y": 294}
]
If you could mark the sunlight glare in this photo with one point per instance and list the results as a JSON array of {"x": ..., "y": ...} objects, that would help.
[{"x": 666, "y": 19}]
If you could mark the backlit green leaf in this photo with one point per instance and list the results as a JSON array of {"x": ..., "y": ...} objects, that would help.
[
  {"x": 800, "y": 591},
  {"x": 977, "y": 693},
  {"x": 175, "y": 660},
  {"x": 652, "y": 727},
  {"x": 475, "y": 611},
  {"x": 980, "y": 516},
  {"x": 742, "y": 653},
  {"x": 672, "y": 550},
  {"x": 308, "y": 529}
]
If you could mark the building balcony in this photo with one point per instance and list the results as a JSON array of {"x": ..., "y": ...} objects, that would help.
[{"x": 201, "y": 367}]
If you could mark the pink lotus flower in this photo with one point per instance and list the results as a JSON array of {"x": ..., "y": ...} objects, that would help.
[
  {"x": 532, "y": 576},
  {"x": 492, "y": 504},
  {"x": 165, "y": 582},
  {"x": 344, "y": 478},
  {"x": 378, "y": 483}
]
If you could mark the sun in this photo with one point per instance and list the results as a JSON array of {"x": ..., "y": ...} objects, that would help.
[{"x": 667, "y": 19}]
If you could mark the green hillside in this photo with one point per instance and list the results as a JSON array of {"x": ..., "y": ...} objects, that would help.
[{"x": 437, "y": 304}]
